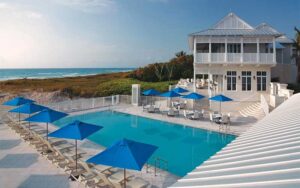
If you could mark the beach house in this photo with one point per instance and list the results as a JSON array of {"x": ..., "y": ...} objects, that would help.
[{"x": 237, "y": 58}]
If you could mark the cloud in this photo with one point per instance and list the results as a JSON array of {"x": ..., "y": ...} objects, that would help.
[
  {"x": 19, "y": 11},
  {"x": 89, "y": 6}
]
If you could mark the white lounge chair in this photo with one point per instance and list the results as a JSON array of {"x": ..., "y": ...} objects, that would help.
[
  {"x": 173, "y": 112},
  {"x": 196, "y": 115},
  {"x": 151, "y": 109}
]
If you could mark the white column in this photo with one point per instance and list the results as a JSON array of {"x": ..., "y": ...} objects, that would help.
[
  {"x": 225, "y": 49},
  {"x": 242, "y": 50},
  {"x": 195, "y": 53},
  {"x": 209, "y": 50},
  {"x": 257, "y": 51},
  {"x": 274, "y": 50}
]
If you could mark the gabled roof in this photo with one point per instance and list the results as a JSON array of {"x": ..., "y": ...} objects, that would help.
[
  {"x": 265, "y": 156},
  {"x": 235, "y": 26},
  {"x": 281, "y": 39},
  {"x": 284, "y": 39},
  {"x": 232, "y": 21},
  {"x": 266, "y": 27}
]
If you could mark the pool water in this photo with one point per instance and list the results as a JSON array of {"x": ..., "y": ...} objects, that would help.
[{"x": 184, "y": 148}]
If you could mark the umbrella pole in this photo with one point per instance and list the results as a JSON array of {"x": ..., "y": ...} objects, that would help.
[
  {"x": 76, "y": 155},
  {"x": 194, "y": 105},
  {"x": 29, "y": 122},
  {"x": 124, "y": 178},
  {"x": 47, "y": 132},
  {"x": 19, "y": 118},
  {"x": 220, "y": 108}
]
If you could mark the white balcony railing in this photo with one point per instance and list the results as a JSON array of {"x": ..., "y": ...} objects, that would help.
[
  {"x": 248, "y": 58},
  {"x": 217, "y": 57},
  {"x": 266, "y": 58},
  {"x": 202, "y": 57},
  {"x": 234, "y": 57}
]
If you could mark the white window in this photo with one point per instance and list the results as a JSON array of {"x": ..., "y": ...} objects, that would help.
[
  {"x": 202, "y": 47},
  {"x": 231, "y": 80},
  {"x": 261, "y": 80},
  {"x": 234, "y": 48},
  {"x": 246, "y": 80}
]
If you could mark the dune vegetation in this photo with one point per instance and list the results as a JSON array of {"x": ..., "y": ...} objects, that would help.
[
  {"x": 84, "y": 86},
  {"x": 158, "y": 76}
]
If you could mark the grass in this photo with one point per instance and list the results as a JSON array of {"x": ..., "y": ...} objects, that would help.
[{"x": 84, "y": 86}]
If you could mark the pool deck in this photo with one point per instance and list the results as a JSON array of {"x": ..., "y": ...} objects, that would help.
[
  {"x": 238, "y": 124},
  {"x": 22, "y": 166}
]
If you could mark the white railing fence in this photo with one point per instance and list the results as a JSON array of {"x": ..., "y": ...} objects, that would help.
[
  {"x": 264, "y": 104},
  {"x": 89, "y": 103}
]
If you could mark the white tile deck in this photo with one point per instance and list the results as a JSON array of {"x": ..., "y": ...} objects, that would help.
[{"x": 238, "y": 124}]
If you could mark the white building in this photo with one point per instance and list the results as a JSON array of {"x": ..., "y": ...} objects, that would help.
[{"x": 236, "y": 57}]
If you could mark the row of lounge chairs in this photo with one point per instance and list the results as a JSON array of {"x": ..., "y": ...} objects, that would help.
[
  {"x": 223, "y": 120},
  {"x": 61, "y": 153}
]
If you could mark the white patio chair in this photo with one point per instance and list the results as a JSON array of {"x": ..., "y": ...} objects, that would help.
[
  {"x": 151, "y": 109},
  {"x": 196, "y": 116}
]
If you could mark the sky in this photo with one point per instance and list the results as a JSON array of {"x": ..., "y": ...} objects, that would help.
[{"x": 120, "y": 33}]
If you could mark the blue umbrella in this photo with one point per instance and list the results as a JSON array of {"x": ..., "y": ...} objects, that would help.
[
  {"x": 170, "y": 94},
  {"x": 180, "y": 90},
  {"x": 76, "y": 130},
  {"x": 220, "y": 98},
  {"x": 125, "y": 154},
  {"x": 46, "y": 116},
  {"x": 151, "y": 92},
  {"x": 28, "y": 108},
  {"x": 194, "y": 96},
  {"x": 17, "y": 101}
]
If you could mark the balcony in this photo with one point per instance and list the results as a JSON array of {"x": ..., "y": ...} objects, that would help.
[{"x": 235, "y": 58}]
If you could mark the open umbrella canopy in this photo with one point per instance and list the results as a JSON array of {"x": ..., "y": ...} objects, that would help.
[
  {"x": 46, "y": 116},
  {"x": 76, "y": 130},
  {"x": 180, "y": 90},
  {"x": 17, "y": 101},
  {"x": 194, "y": 96},
  {"x": 220, "y": 98},
  {"x": 151, "y": 92},
  {"x": 28, "y": 108},
  {"x": 125, "y": 154},
  {"x": 170, "y": 94}
]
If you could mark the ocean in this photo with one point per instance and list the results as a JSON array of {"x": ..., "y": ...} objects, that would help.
[{"x": 11, "y": 74}]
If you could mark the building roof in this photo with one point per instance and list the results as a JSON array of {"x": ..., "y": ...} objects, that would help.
[
  {"x": 284, "y": 39},
  {"x": 267, "y": 155},
  {"x": 234, "y": 25}
]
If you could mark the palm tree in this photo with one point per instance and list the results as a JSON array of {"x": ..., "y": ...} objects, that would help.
[{"x": 296, "y": 55}]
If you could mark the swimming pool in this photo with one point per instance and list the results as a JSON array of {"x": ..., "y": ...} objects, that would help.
[{"x": 184, "y": 148}]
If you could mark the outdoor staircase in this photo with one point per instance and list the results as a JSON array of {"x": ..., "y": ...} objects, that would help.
[{"x": 253, "y": 110}]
